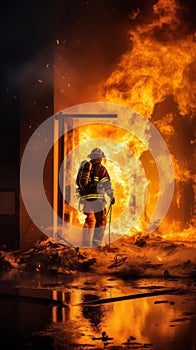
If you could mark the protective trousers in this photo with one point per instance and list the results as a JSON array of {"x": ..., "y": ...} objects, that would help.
[{"x": 95, "y": 223}]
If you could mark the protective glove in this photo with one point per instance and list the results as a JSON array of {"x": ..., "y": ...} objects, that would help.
[{"x": 112, "y": 200}]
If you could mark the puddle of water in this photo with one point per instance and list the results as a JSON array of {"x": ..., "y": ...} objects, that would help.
[{"x": 165, "y": 322}]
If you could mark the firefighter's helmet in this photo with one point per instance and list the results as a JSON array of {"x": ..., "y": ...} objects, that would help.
[{"x": 96, "y": 153}]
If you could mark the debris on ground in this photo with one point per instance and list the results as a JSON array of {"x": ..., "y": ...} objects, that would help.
[
  {"x": 4, "y": 261},
  {"x": 118, "y": 261},
  {"x": 127, "y": 257},
  {"x": 47, "y": 256}
]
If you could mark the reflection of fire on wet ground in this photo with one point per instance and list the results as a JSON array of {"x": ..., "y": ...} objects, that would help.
[{"x": 96, "y": 298}]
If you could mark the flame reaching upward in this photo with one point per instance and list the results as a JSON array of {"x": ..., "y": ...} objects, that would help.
[
  {"x": 156, "y": 78},
  {"x": 161, "y": 63},
  {"x": 160, "y": 67}
]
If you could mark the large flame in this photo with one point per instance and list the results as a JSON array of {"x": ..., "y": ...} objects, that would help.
[
  {"x": 161, "y": 62},
  {"x": 122, "y": 177},
  {"x": 160, "y": 67},
  {"x": 156, "y": 78}
]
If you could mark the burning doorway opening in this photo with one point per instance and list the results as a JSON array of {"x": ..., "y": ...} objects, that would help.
[
  {"x": 76, "y": 130},
  {"x": 68, "y": 137}
]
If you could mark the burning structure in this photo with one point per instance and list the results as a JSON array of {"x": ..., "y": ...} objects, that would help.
[{"x": 155, "y": 77}]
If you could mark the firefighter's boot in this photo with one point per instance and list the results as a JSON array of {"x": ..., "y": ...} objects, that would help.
[{"x": 98, "y": 236}]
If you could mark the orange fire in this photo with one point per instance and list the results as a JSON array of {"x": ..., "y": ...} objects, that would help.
[
  {"x": 156, "y": 78},
  {"x": 120, "y": 176},
  {"x": 160, "y": 67},
  {"x": 160, "y": 63}
]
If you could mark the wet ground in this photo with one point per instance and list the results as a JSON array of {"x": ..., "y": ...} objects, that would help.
[{"x": 64, "y": 312}]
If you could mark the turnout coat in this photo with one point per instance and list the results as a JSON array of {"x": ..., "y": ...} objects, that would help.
[{"x": 93, "y": 182}]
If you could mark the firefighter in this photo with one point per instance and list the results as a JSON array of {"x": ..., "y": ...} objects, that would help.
[{"x": 93, "y": 182}]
